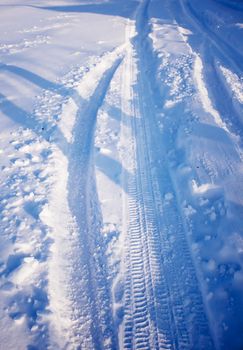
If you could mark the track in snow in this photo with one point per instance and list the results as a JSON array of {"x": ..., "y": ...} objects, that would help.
[
  {"x": 215, "y": 51},
  {"x": 152, "y": 293},
  {"x": 83, "y": 205},
  {"x": 83, "y": 305},
  {"x": 163, "y": 304}
]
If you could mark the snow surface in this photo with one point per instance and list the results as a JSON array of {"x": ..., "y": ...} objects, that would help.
[{"x": 121, "y": 174}]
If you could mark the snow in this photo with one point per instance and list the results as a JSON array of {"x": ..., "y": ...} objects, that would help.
[
  {"x": 235, "y": 83},
  {"x": 121, "y": 148},
  {"x": 204, "y": 94}
]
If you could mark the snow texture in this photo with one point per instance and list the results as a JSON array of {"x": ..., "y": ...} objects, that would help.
[{"x": 121, "y": 157}]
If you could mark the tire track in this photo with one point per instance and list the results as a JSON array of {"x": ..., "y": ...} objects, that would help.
[
  {"x": 83, "y": 203},
  {"x": 228, "y": 52},
  {"x": 212, "y": 55},
  {"x": 79, "y": 291},
  {"x": 225, "y": 105},
  {"x": 160, "y": 274},
  {"x": 142, "y": 258},
  {"x": 143, "y": 303}
]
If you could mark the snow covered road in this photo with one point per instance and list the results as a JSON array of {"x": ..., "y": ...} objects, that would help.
[{"x": 121, "y": 174}]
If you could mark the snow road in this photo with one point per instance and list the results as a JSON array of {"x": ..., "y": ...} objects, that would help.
[{"x": 121, "y": 184}]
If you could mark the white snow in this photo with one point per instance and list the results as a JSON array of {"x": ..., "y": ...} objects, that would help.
[
  {"x": 121, "y": 174},
  {"x": 67, "y": 119},
  {"x": 207, "y": 105},
  {"x": 204, "y": 188},
  {"x": 235, "y": 83}
]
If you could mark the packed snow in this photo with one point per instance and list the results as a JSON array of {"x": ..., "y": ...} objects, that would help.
[{"x": 121, "y": 156}]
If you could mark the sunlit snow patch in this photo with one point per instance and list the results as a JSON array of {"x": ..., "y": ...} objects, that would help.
[{"x": 235, "y": 83}]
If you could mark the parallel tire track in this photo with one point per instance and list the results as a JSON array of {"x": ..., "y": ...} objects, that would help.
[
  {"x": 160, "y": 275},
  {"x": 142, "y": 259}
]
